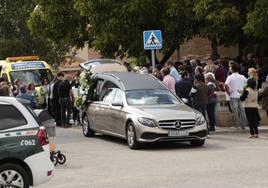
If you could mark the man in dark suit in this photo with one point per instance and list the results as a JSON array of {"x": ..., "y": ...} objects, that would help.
[
  {"x": 200, "y": 94},
  {"x": 65, "y": 93},
  {"x": 183, "y": 88},
  {"x": 55, "y": 99}
]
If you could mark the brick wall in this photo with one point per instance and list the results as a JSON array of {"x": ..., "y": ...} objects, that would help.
[
  {"x": 197, "y": 47},
  {"x": 200, "y": 48}
]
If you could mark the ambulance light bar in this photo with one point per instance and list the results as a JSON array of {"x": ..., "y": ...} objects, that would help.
[{"x": 22, "y": 58}]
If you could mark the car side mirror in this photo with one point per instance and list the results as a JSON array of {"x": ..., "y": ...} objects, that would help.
[
  {"x": 117, "y": 104},
  {"x": 184, "y": 100}
]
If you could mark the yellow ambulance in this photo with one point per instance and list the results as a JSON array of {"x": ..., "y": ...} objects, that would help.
[{"x": 28, "y": 69}]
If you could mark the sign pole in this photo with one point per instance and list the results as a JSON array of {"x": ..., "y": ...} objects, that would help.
[{"x": 153, "y": 58}]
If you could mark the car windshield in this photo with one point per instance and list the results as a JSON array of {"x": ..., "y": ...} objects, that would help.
[
  {"x": 150, "y": 97},
  {"x": 31, "y": 76}
]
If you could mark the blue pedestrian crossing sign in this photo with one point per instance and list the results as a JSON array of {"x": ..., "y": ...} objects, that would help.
[{"x": 152, "y": 39}]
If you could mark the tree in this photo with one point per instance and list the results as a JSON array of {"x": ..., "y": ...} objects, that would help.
[
  {"x": 59, "y": 22},
  {"x": 257, "y": 25},
  {"x": 222, "y": 21},
  {"x": 114, "y": 26},
  {"x": 257, "y": 20},
  {"x": 15, "y": 37}
]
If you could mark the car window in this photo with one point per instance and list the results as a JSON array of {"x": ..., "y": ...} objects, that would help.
[
  {"x": 105, "y": 87},
  {"x": 118, "y": 98},
  {"x": 97, "y": 91},
  {"x": 10, "y": 117},
  {"x": 109, "y": 96},
  {"x": 31, "y": 76},
  {"x": 150, "y": 97}
]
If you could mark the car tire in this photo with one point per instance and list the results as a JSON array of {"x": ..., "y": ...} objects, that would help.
[
  {"x": 19, "y": 175},
  {"x": 132, "y": 137},
  {"x": 87, "y": 131},
  {"x": 54, "y": 160},
  {"x": 197, "y": 143},
  {"x": 61, "y": 158}
]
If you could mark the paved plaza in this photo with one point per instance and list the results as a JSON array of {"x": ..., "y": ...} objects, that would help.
[{"x": 228, "y": 159}]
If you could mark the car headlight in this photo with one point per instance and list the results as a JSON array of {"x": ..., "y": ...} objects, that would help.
[
  {"x": 147, "y": 122},
  {"x": 200, "y": 119}
]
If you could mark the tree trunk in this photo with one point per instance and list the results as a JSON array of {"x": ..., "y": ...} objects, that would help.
[
  {"x": 241, "y": 46},
  {"x": 167, "y": 56},
  {"x": 214, "y": 47},
  {"x": 148, "y": 54},
  {"x": 178, "y": 53}
]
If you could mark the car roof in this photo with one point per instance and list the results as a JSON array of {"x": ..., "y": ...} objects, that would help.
[
  {"x": 103, "y": 65},
  {"x": 7, "y": 100},
  {"x": 12, "y": 100},
  {"x": 134, "y": 81}
]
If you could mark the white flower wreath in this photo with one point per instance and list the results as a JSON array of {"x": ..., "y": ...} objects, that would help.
[{"x": 85, "y": 82}]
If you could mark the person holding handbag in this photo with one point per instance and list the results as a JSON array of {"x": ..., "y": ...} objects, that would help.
[
  {"x": 250, "y": 98},
  {"x": 199, "y": 92},
  {"x": 212, "y": 101}
]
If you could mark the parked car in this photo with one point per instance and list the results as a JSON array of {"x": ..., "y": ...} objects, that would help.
[
  {"x": 140, "y": 109},
  {"x": 24, "y": 146}
]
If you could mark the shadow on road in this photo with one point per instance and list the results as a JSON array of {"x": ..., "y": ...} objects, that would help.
[
  {"x": 158, "y": 145},
  {"x": 75, "y": 136}
]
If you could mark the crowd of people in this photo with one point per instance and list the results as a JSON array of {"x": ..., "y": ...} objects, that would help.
[
  {"x": 62, "y": 93},
  {"x": 57, "y": 97},
  {"x": 196, "y": 82},
  {"x": 19, "y": 90}
]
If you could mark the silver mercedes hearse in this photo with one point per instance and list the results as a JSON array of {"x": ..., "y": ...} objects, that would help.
[{"x": 140, "y": 109}]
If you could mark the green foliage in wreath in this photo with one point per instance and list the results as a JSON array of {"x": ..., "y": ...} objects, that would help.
[{"x": 85, "y": 82}]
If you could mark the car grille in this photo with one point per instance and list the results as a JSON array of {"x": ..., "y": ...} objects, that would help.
[{"x": 177, "y": 124}]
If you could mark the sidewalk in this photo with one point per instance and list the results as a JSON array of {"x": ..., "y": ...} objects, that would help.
[
  {"x": 263, "y": 129},
  {"x": 220, "y": 130},
  {"x": 227, "y": 130}
]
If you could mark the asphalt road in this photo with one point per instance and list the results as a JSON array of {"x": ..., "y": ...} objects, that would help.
[{"x": 226, "y": 160}]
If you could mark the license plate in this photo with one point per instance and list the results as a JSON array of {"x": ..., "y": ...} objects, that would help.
[{"x": 178, "y": 133}]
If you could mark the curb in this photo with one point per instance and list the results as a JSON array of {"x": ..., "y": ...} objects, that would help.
[
  {"x": 226, "y": 130},
  {"x": 219, "y": 130}
]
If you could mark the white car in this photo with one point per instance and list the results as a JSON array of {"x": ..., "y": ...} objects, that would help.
[{"x": 24, "y": 146}]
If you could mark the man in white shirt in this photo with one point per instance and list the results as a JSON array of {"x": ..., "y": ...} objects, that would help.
[
  {"x": 173, "y": 71},
  {"x": 234, "y": 86}
]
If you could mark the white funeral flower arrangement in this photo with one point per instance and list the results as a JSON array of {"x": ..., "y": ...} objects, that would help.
[{"x": 85, "y": 82}]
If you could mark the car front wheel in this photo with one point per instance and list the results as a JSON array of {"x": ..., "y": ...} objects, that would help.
[
  {"x": 13, "y": 175},
  {"x": 87, "y": 131},
  {"x": 197, "y": 143},
  {"x": 131, "y": 137}
]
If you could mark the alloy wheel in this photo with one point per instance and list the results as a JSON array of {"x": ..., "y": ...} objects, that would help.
[
  {"x": 130, "y": 135},
  {"x": 85, "y": 126},
  {"x": 11, "y": 179}
]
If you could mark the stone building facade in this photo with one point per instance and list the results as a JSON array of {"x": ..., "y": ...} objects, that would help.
[
  {"x": 196, "y": 48},
  {"x": 200, "y": 48}
]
